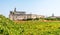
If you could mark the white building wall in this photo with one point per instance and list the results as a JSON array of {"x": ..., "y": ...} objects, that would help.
[{"x": 11, "y": 17}]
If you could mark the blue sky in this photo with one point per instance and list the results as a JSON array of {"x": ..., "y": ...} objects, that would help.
[{"x": 41, "y": 7}]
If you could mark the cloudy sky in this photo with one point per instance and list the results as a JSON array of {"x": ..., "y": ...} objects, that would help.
[{"x": 41, "y": 7}]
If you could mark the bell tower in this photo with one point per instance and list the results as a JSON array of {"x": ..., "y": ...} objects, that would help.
[
  {"x": 14, "y": 9},
  {"x": 52, "y": 14}
]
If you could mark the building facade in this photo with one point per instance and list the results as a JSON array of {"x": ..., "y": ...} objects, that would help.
[{"x": 20, "y": 15}]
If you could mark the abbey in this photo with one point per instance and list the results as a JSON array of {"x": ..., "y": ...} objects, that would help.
[{"x": 20, "y": 15}]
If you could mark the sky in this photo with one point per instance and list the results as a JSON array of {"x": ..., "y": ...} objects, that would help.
[{"x": 40, "y": 7}]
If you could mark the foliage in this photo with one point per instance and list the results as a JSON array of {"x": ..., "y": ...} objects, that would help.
[
  {"x": 29, "y": 19},
  {"x": 36, "y": 19},
  {"x": 52, "y": 18},
  {"x": 8, "y": 27}
]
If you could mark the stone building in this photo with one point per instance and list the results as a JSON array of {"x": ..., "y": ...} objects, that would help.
[
  {"x": 53, "y": 16},
  {"x": 20, "y": 15}
]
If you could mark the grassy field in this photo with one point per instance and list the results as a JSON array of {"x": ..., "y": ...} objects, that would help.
[
  {"x": 40, "y": 28},
  {"x": 37, "y": 27}
]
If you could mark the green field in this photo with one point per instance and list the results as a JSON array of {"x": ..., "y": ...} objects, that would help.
[{"x": 8, "y": 27}]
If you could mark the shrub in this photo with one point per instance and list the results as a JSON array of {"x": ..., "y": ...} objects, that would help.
[
  {"x": 36, "y": 19},
  {"x": 1, "y": 31},
  {"x": 29, "y": 19}
]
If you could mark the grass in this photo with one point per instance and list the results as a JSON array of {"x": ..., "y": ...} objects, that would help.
[
  {"x": 37, "y": 27},
  {"x": 40, "y": 28}
]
